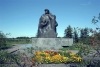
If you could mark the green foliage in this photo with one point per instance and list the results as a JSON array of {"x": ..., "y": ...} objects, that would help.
[
  {"x": 94, "y": 41},
  {"x": 95, "y": 38},
  {"x": 22, "y": 38},
  {"x": 6, "y": 57},
  {"x": 3, "y": 41},
  {"x": 84, "y": 50},
  {"x": 68, "y": 32},
  {"x": 84, "y": 33},
  {"x": 7, "y": 42},
  {"x": 84, "y": 36},
  {"x": 94, "y": 20},
  {"x": 19, "y": 41},
  {"x": 73, "y": 47},
  {"x": 75, "y": 36},
  {"x": 97, "y": 35}
]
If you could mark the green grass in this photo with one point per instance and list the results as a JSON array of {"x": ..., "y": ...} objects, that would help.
[
  {"x": 73, "y": 47},
  {"x": 76, "y": 46},
  {"x": 69, "y": 48},
  {"x": 19, "y": 42}
]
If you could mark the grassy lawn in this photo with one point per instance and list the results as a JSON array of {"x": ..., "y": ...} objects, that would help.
[
  {"x": 68, "y": 48},
  {"x": 73, "y": 47},
  {"x": 76, "y": 46},
  {"x": 19, "y": 42}
]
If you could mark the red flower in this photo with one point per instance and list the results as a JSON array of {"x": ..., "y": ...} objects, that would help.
[
  {"x": 55, "y": 53},
  {"x": 33, "y": 63},
  {"x": 46, "y": 51}
]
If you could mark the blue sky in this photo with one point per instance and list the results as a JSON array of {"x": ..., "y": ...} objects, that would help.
[{"x": 21, "y": 17}]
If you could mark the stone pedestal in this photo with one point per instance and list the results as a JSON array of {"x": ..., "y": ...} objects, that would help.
[{"x": 51, "y": 43}]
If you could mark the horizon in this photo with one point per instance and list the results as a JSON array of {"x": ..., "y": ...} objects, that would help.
[{"x": 21, "y": 17}]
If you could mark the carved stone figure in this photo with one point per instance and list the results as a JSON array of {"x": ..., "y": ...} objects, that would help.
[{"x": 47, "y": 25}]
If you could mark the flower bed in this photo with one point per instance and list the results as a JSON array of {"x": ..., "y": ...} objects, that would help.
[{"x": 54, "y": 57}]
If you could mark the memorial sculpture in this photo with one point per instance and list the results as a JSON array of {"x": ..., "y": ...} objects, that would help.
[
  {"x": 47, "y": 34},
  {"x": 47, "y": 25}
]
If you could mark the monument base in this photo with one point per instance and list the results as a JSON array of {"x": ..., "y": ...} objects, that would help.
[{"x": 51, "y": 43}]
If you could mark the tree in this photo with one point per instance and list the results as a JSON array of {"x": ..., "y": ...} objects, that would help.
[
  {"x": 68, "y": 32},
  {"x": 84, "y": 35},
  {"x": 75, "y": 36},
  {"x": 81, "y": 33},
  {"x": 94, "y": 20},
  {"x": 96, "y": 33},
  {"x": 2, "y": 40},
  {"x": 86, "y": 32}
]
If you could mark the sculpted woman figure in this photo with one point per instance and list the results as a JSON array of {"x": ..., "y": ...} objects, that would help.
[{"x": 47, "y": 25}]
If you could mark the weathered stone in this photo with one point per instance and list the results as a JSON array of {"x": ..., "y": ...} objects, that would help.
[
  {"x": 47, "y": 25},
  {"x": 51, "y": 43},
  {"x": 49, "y": 33}
]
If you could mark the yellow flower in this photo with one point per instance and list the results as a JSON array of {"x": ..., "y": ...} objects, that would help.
[
  {"x": 47, "y": 55},
  {"x": 47, "y": 58},
  {"x": 79, "y": 59},
  {"x": 38, "y": 53},
  {"x": 55, "y": 57},
  {"x": 72, "y": 54}
]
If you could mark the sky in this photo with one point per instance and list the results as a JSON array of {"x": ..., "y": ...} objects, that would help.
[{"x": 21, "y": 17}]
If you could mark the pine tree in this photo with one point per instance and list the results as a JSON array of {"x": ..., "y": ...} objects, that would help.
[
  {"x": 68, "y": 32},
  {"x": 75, "y": 36},
  {"x": 86, "y": 32},
  {"x": 81, "y": 33}
]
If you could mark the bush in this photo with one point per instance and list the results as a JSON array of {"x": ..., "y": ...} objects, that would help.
[
  {"x": 3, "y": 41},
  {"x": 5, "y": 57}
]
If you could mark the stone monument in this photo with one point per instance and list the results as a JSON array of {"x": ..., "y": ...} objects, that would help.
[
  {"x": 47, "y": 33},
  {"x": 47, "y": 25}
]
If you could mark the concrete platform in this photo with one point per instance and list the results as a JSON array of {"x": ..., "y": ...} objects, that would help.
[{"x": 51, "y": 43}]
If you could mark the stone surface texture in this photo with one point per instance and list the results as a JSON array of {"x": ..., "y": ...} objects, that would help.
[
  {"x": 51, "y": 43},
  {"x": 47, "y": 25}
]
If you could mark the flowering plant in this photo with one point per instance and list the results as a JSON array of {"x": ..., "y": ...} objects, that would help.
[{"x": 42, "y": 57}]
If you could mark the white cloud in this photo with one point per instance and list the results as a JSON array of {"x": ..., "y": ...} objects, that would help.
[{"x": 86, "y": 4}]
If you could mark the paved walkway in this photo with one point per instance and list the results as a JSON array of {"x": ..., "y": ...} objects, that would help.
[{"x": 14, "y": 48}]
